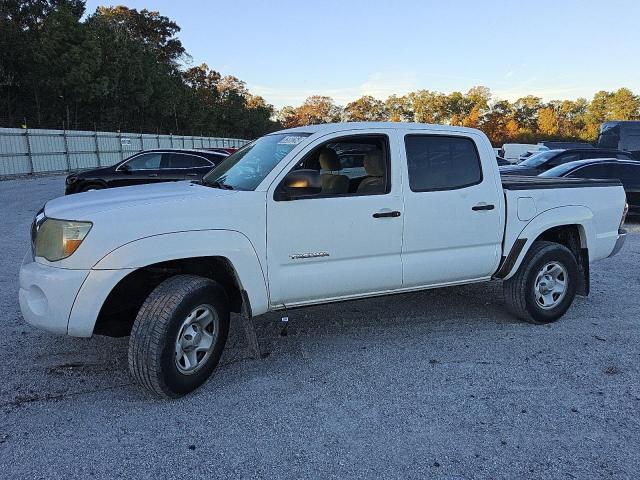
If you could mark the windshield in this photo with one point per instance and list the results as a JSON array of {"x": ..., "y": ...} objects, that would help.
[
  {"x": 246, "y": 168},
  {"x": 539, "y": 158}
]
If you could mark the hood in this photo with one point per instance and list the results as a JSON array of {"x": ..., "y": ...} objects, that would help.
[
  {"x": 519, "y": 170},
  {"x": 92, "y": 173},
  {"x": 126, "y": 214},
  {"x": 84, "y": 206}
]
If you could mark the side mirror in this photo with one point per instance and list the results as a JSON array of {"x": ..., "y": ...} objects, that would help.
[
  {"x": 299, "y": 184},
  {"x": 125, "y": 168}
]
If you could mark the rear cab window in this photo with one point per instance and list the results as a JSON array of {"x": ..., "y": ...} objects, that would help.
[{"x": 442, "y": 162}]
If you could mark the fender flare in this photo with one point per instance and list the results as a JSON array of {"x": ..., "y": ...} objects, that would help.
[
  {"x": 229, "y": 244},
  {"x": 556, "y": 217}
]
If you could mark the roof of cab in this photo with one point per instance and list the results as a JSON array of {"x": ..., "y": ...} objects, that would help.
[{"x": 343, "y": 126}]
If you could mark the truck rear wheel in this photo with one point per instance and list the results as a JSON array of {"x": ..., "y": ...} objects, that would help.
[
  {"x": 544, "y": 286},
  {"x": 178, "y": 335}
]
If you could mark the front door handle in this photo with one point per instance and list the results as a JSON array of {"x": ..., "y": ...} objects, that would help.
[
  {"x": 483, "y": 207},
  {"x": 392, "y": 214},
  {"x": 153, "y": 175},
  {"x": 192, "y": 174}
]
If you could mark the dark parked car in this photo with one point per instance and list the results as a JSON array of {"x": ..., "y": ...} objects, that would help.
[
  {"x": 565, "y": 145},
  {"x": 627, "y": 171},
  {"x": 502, "y": 162},
  {"x": 228, "y": 150},
  {"x": 542, "y": 161},
  {"x": 149, "y": 166}
]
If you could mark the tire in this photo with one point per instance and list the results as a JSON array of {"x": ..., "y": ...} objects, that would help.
[
  {"x": 153, "y": 345},
  {"x": 90, "y": 187},
  {"x": 524, "y": 291}
]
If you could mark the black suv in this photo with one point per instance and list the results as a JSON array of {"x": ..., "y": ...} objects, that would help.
[
  {"x": 543, "y": 161},
  {"x": 149, "y": 166}
]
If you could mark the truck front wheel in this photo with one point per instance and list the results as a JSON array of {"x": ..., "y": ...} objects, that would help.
[
  {"x": 544, "y": 286},
  {"x": 178, "y": 335}
]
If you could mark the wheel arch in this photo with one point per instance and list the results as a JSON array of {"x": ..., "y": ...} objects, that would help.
[
  {"x": 90, "y": 181},
  {"x": 121, "y": 305},
  {"x": 571, "y": 226},
  {"x": 133, "y": 270}
]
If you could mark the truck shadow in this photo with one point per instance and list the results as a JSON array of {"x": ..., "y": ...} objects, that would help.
[{"x": 77, "y": 366}]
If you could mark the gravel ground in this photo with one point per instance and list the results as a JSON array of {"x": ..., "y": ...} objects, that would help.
[{"x": 436, "y": 384}]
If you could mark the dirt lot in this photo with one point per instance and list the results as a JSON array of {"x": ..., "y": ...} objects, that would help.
[{"x": 440, "y": 383}]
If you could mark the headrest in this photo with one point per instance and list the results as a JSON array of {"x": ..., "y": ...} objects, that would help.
[
  {"x": 374, "y": 164},
  {"x": 329, "y": 160}
]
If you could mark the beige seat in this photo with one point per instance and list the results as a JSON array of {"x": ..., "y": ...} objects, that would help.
[
  {"x": 376, "y": 170},
  {"x": 332, "y": 184}
]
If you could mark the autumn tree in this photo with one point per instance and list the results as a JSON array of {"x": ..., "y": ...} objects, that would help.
[
  {"x": 399, "y": 109},
  {"x": 318, "y": 109},
  {"x": 526, "y": 112},
  {"x": 366, "y": 109},
  {"x": 548, "y": 123}
]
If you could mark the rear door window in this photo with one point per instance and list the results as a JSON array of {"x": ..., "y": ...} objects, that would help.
[
  {"x": 439, "y": 162},
  {"x": 145, "y": 161},
  {"x": 184, "y": 160}
]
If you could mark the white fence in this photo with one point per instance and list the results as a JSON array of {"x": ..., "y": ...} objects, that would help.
[{"x": 25, "y": 151}]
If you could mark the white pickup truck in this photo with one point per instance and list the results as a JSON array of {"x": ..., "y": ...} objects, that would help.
[{"x": 306, "y": 216}]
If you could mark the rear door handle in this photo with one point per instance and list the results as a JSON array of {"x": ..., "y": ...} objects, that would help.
[
  {"x": 153, "y": 175},
  {"x": 392, "y": 214},
  {"x": 483, "y": 207},
  {"x": 192, "y": 174}
]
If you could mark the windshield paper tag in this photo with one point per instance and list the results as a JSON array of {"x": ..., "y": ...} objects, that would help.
[{"x": 291, "y": 140}]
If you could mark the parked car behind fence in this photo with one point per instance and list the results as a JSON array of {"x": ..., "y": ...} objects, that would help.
[{"x": 150, "y": 166}]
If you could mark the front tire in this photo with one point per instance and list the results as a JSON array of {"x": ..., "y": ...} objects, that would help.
[
  {"x": 543, "y": 288},
  {"x": 178, "y": 335}
]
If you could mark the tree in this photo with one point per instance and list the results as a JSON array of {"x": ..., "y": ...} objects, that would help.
[
  {"x": 623, "y": 105},
  {"x": 526, "y": 112},
  {"x": 496, "y": 124},
  {"x": 366, "y": 109},
  {"x": 288, "y": 117},
  {"x": 429, "y": 107},
  {"x": 155, "y": 31},
  {"x": 399, "y": 109},
  {"x": 318, "y": 109},
  {"x": 548, "y": 123}
]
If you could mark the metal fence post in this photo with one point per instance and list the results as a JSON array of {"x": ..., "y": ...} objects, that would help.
[
  {"x": 95, "y": 139},
  {"x": 29, "y": 156},
  {"x": 121, "y": 151},
  {"x": 158, "y": 140},
  {"x": 66, "y": 149},
  {"x": 171, "y": 139}
]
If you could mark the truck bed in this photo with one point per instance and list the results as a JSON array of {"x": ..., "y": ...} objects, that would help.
[{"x": 515, "y": 182}]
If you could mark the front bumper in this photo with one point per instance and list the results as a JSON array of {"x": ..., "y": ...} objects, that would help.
[
  {"x": 622, "y": 236},
  {"x": 62, "y": 300},
  {"x": 47, "y": 294}
]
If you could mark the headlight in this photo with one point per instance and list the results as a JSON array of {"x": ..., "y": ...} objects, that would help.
[
  {"x": 71, "y": 179},
  {"x": 58, "y": 239}
]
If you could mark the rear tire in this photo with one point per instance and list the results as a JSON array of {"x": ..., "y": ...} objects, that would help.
[
  {"x": 179, "y": 335},
  {"x": 544, "y": 286}
]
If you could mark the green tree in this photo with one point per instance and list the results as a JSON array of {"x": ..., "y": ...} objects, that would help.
[{"x": 624, "y": 105}]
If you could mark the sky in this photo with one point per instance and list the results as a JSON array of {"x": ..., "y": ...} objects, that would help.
[{"x": 288, "y": 50}]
